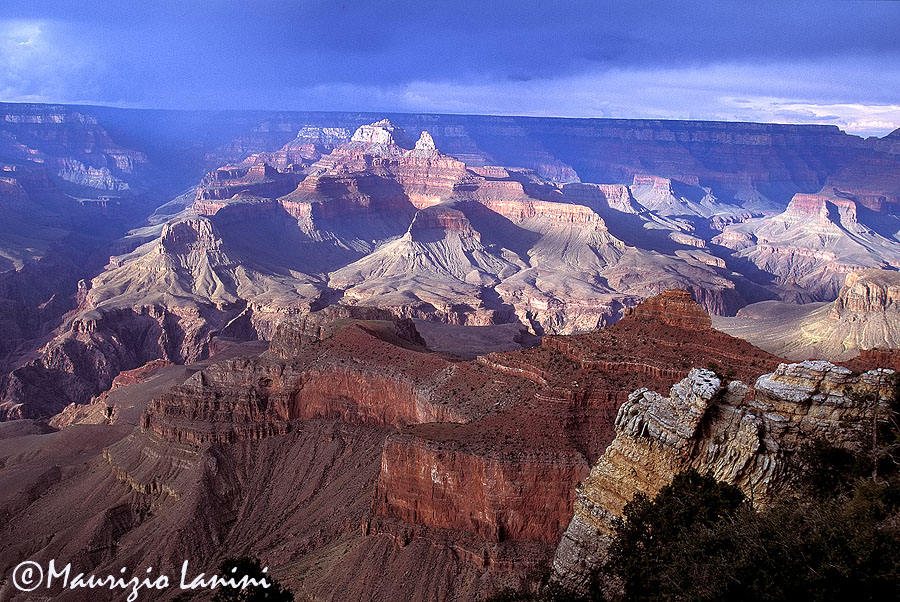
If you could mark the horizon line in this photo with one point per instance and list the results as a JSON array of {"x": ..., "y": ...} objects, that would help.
[{"x": 100, "y": 105}]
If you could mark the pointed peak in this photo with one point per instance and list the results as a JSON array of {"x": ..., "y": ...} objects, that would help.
[{"x": 425, "y": 142}]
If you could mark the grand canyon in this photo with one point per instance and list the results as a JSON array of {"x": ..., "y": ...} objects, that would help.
[{"x": 420, "y": 357}]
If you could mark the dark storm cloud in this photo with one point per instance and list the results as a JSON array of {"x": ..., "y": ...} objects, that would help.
[{"x": 344, "y": 54}]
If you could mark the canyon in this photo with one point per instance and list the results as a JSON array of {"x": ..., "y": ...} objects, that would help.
[
  {"x": 430, "y": 226},
  {"x": 464, "y": 467},
  {"x": 862, "y": 319},
  {"x": 419, "y": 357},
  {"x": 358, "y": 453}
]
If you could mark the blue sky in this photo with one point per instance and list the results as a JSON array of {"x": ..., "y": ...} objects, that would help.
[{"x": 816, "y": 62}]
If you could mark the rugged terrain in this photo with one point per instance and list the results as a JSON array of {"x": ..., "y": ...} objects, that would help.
[
  {"x": 393, "y": 356},
  {"x": 716, "y": 427},
  {"x": 864, "y": 317},
  {"x": 453, "y": 476},
  {"x": 359, "y": 464},
  {"x": 309, "y": 211},
  {"x": 815, "y": 242}
]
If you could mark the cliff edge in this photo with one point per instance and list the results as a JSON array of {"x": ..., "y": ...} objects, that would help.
[{"x": 715, "y": 427}]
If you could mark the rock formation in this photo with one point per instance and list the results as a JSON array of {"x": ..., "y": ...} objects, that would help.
[
  {"x": 377, "y": 221},
  {"x": 77, "y": 148},
  {"x": 313, "y": 210},
  {"x": 349, "y": 451},
  {"x": 166, "y": 301},
  {"x": 741, "y": 437},
  {"x": 675, "y": 308},
  {"x": 258, "y": 180},
  {"x": 670, "y": 197},
  {"x": 815, "y": 243},
  {"x": 868, "y": 291},
  {"x": 864, "y": 316},
  {"x": 494, "y": 417},
  {"x": 353, "y": 460}
]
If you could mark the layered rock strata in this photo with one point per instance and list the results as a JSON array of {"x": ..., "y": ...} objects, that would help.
[
  {"x": 815, "y": 243},
  {"x": 383, "y": 220},
  {"x": 718, "y": 427},
  {"x": 864, "y": 317},
  {"x": 349, "y": 451},
  {"x": 499, "y": 417},
  {"x": 73, "y": 144}
]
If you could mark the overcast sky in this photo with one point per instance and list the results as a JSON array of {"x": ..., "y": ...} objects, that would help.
[{"x": 817, "y": 62}]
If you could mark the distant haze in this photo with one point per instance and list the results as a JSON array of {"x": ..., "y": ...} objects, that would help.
[{"x": 819, "y": 62}]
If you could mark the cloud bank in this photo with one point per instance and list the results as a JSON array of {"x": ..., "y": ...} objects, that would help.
[{"x": 833, "y": 63}]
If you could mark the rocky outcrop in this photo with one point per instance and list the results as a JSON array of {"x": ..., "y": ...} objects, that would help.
[
  {"x": 101, "y": 178},
  {"x": 720, "y": 428},
  {"x": 310, "y": 144},
  {"x": 681, "y": 197},
  {"x": 12, "y": 194},
  {"x": 867, "y": 291},
  {"x": 675, "y": 308},
  {"x": 239, "y": 401},
  {"x": 116, "y": 329},
  {"x": 474, "y": 444},
  {"x": 658, "y": 184},
  {"x": 865, "y": 316},
  {"x": 425, "y": 143},
  {"x": 381, "y": 133}
]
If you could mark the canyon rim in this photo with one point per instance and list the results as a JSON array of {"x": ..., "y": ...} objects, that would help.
[{"x": 397, "y": 302}]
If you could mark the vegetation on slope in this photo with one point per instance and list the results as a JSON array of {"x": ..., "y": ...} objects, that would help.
[{"x": 836, "y": 537}]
